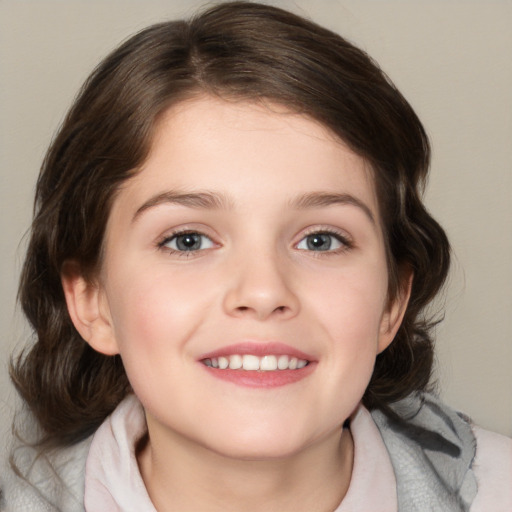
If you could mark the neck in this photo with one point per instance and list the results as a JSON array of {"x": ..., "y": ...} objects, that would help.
[{"x": 181, "y": 476}]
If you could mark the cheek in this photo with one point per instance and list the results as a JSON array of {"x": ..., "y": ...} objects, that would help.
[
  {"x": 349, "y": 310},
  {"x": 155, "y": 311},
  {"x": 352, "y": 301},
  {"x": 154, "y": 318}
]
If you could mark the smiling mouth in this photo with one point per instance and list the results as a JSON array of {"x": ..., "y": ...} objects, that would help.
[{"x": 249, "y": 362}]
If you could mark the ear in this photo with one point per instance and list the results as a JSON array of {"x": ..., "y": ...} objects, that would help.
[
  {"x": 394, "y": 313},
  {"x": 88, "y": 309}
]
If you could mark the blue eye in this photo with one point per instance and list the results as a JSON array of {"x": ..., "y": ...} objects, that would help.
[
  {"x": 322, "y": 242},
  {"x": 187, "y": 242}
]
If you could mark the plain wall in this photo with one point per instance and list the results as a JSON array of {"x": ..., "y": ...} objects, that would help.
[{"x": 451, "y": 59}]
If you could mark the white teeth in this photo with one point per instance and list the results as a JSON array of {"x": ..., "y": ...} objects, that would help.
[
  {"x": 268, "y": 363},
  {"x": 250, "y": 362},
  {"x": 235, "y": 362},
  {"x": 301, "y": 363},
  {"x": 282, "y": 362}
]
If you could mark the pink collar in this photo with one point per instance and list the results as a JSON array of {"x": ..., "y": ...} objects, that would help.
[{"x": 113, "y": 482}]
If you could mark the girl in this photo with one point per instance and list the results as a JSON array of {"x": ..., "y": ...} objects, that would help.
[{"x": 228, "y": 269}]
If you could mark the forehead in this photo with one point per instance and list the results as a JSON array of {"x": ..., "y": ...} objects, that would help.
[{"x": 246, "y": 151}]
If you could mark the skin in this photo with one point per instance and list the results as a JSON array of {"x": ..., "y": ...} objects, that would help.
[{"x": 213, "y": 444}]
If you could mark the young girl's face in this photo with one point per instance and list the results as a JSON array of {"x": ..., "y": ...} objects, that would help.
[{"x": 251, "y": 236}]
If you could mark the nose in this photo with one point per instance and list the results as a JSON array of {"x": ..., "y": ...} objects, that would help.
[{"x": 261, "y": 287}]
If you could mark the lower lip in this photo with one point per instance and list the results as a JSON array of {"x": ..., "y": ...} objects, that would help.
[{"x": 261, "y": 379}]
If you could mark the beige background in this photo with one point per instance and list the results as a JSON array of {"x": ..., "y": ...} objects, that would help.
[{"x": 452, "y": 60}]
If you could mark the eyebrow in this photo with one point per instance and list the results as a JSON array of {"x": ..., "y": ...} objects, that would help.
[
  {"x": 322, "y": 199},
  {"x": 199, "y": 200},
  {"x": 216, "y": 201}
]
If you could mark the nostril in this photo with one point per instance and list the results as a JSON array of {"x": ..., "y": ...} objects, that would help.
[{"x": 279, "y": 309}]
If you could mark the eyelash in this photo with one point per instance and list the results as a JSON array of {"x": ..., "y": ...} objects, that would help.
[
  {"x": 346, "y": 243},
  {"x": 162, "y": 244}
]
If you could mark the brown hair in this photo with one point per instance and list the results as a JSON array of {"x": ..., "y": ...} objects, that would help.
[{"x": 240, "y": 51}]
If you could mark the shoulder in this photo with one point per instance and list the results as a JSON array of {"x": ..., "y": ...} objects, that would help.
[
  {"x": 439, "y": 454},
  {"x": 493, "y": 471},
  {"x": 46, "y": 483}
]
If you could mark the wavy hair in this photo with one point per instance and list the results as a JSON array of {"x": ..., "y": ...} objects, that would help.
[{"x": 237, "y": 51}]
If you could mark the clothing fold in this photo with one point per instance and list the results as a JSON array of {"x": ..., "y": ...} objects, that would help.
[{"x": 421, "y": 456}]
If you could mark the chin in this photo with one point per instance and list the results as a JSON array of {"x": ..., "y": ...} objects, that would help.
[
  {"x": 259, "y": 451},
  {"x": 269, "y": 442}
]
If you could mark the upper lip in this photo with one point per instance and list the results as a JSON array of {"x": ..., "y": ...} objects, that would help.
[{"x": 258, "y": 349}]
